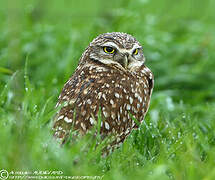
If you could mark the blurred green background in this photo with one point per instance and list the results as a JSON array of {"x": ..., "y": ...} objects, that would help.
[{"x": 40, "y": 45}]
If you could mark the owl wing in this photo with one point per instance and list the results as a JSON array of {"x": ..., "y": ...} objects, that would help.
[
  {"x": 68, "y": 98},
  {"x": 148, "y": 76}
]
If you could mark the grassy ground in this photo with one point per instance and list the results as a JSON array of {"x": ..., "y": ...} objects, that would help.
[{"x": 40, "y": 44}]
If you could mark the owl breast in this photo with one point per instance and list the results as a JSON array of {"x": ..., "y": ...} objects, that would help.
[{"x": 120, "y": 96}]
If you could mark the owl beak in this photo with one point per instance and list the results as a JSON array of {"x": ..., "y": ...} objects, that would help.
[{"x": 125, "y": 61}]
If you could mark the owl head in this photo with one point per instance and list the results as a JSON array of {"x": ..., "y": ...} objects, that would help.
[{"x": 116, "y": 48}]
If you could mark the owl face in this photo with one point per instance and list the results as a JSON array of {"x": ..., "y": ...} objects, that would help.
[{"x": 118, "y": 49}]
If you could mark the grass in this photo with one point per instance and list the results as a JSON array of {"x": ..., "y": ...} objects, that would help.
[{"x": 40, "y": 44}]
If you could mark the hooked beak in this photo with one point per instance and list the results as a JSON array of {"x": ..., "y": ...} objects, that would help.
[
  {"x": 124, "y": 59},
  {"x": 125, "y": 62}
]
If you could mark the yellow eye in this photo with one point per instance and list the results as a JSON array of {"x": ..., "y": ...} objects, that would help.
[
  {"x": 135, "y": 52},
  {"x": 108, "y": 49}
]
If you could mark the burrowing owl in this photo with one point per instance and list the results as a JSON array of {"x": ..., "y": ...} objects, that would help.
[{"x": 111, "y": 76}]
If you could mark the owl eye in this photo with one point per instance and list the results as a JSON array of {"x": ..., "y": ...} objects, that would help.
[
  {"x": 108, "y": 49},
  {"x": 135, "y": 52}
]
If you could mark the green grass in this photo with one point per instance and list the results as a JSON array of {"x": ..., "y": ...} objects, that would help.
[{"x": 40, "y": 44}]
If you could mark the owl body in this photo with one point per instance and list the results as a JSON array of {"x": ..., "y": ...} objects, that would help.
[{"x": 119, "y": 87}]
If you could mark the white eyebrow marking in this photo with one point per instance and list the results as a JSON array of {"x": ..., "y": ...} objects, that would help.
[
  {"x": 136, "y": 46},
  {"x": 130, "y": 51},
  {"x": 111, "y": 44}
]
